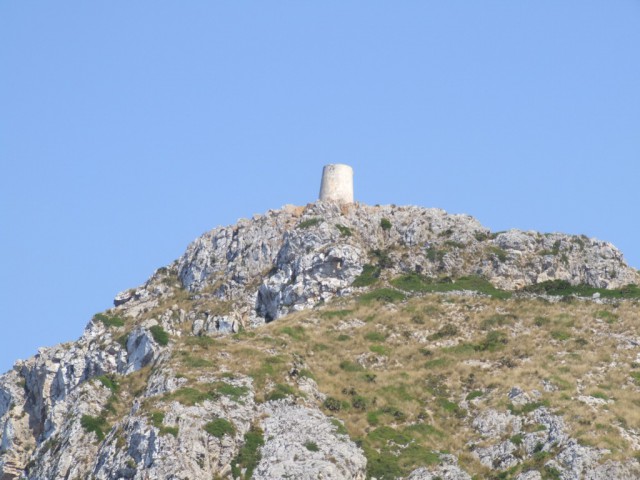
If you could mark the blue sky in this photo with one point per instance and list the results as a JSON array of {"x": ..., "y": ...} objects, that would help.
[{"x": 127, "y": 129}]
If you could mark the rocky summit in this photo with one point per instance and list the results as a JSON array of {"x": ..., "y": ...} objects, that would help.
[{"x": 346, "y": 342}]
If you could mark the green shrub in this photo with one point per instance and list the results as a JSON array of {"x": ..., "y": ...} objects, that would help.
[
  {"x": 109, "y": 381},
  {"x": 332, "y": 404},
  {"x": 96, "y": 425},
  {"x": 492, "y": 342},
  {"x": 159, "y": 335},
  {"x": 344, "y": 231},
  {"x": 108, "y": 320},
  {"x": 249, "y": 456},
  {"x": 385, "y": 223},
  {"x": 498, "y": 252},
  {"x": 219, "y": 428},
  {"x": 447, "y": 330},
  {"x": 311, "y": 446},
  {"x": 435, "y": 255},
  {"x": 564, "y": 288},
  {"x": 359, "y": 402},
  {"x": 311, "y": 222},
  {"x": 383, "y": 258},
  {"x": 157, "y": 418},
  {"x": 369, "y": 276}
]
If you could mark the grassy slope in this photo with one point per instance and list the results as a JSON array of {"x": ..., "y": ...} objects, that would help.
[{"x": 399, "y": 377}]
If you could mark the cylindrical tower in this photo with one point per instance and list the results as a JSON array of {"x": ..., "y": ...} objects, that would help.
[{"x": 337, "y": 183}]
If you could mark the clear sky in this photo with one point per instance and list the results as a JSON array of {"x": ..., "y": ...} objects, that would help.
[{"x": 127, "y": 129}]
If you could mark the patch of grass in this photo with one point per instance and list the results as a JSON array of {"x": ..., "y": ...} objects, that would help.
[
  {"x": 375, "y": 336},
  {"x": 157, "y": 419},
  {"x": 497, "y": 320},
  {"x": 607, "y": 316},
  {"x": 435, "y": 254},
  {"x": 379, "y": 349},
  {"x": 370, "y": 275},
  {"x": 541, "y": 321},
  {"x": 452, "y": 407},
  {"x": 249, "y": 455},
  {"x": 109, "y": 381},
  {"x": 159, "y": 335},
  {"x": 340, "y": 429},
  {"x": 527, "y": 407},
  {"x": 498, "y": 252},
  {"x": 195, "y": 362},
  {"x": 349, "y": 366},
  {"x": 109, "y": 320},
  {"x": 436, "y": 363},
  {"x": 310, "y": 222},
  {"x": 96, "y": 425},
  {"x": 343, "y": 337},
  {"x": 385, "y": 223},
  {"x": 386, "y": 295},
  {"x": 189, "y": 396},
  {"x": 517, "y": 439},
  {"x": 473, "y": 394},
  {"x": 386, "y": 461},
  {"x": 600, "y": 395},
  {"x": 279, "y": 392},
  {"x": 232, "y": 391},
  {"x": 219, "y": 428},
  {"x": 311, "y": 446},
  {"x": 296, "y": 332},
  {"x": 414, "y": 282},
  {"x": 336, "y": 313},
  {"x": 560, "y": 335},
  {"x": 344, "y": 231}
]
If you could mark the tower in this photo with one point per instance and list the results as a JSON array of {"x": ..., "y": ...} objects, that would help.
[{"x": 337, "y": 183}]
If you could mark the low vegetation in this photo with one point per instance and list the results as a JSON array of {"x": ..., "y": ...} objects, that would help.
[{"x": 425, "y": 361}]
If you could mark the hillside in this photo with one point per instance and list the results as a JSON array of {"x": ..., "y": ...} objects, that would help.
[{"x": 346, "y": 342}]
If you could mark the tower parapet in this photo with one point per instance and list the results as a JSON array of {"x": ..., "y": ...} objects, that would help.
[{"x": 337, "y": 183}]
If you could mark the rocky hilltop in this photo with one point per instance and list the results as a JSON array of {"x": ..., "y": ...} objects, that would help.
[{"x": 349, "y": 342}]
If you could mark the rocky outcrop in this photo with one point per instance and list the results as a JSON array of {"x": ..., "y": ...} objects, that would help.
[
  {"x": 302, "y": 443},
  {"x": 294, "y": 258}
]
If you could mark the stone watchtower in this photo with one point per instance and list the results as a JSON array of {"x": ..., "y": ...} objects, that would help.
[{"x": 337, "y": 183}]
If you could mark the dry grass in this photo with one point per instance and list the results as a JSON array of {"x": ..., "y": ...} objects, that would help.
[{"x": 411, "y": 366}]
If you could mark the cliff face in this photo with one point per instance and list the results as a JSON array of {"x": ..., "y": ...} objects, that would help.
[{"x": 177, "y": 382}]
